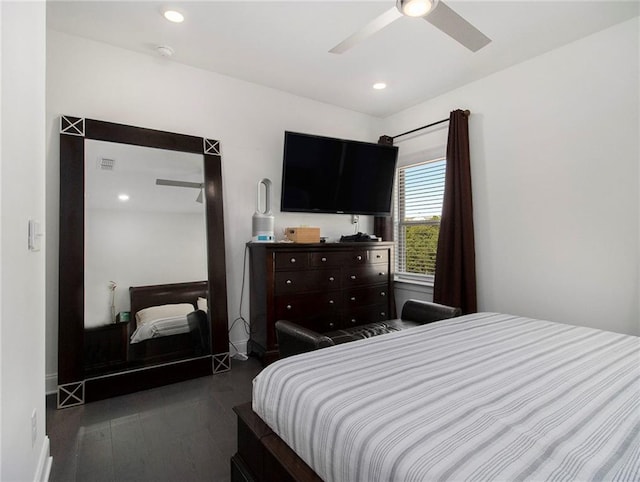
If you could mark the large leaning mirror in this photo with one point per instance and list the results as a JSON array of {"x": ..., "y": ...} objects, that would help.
[{"x": 142, "y": 299}]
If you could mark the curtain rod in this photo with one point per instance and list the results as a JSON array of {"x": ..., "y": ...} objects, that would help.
[{"x": 466, "y": 112}]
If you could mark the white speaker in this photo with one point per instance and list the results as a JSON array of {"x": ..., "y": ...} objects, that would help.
[{"x": 263, "y": 222}]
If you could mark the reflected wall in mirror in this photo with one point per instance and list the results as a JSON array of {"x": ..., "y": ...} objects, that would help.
[
  {"x": 141, "y": 227},
  {"x": 144, "y": 224}
]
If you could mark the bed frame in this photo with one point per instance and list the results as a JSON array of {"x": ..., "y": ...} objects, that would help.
[
  {"x": 166, "y": 348},
  {"x": 263, "y": 456}
]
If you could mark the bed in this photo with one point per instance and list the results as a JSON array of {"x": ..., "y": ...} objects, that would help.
[
  {"x": 480, "y": 397},
  {"x": 157, "y": 337}
]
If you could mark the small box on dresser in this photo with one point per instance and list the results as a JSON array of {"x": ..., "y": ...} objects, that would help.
[
  {"x": 322, "y": 286},
  {"x": 303, "y": 235}
]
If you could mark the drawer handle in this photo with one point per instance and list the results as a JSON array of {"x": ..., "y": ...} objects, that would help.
[
  {"x": 353, "y": 276},
  {"x": 331, "y": 325},
  {"x": 324, "y": 260},
  {"x": 288, "y": 281},
  {"x": 359, "y": 258},
  {"x": 330, "y": 302},
  {"x": 382, "y": 313},
  {"x": 353, "y": 298},
  {"x": 378, "y": 256},
  {"x": 331, "y": 278},
  {"x": 381, "y": 273},
  {"x": 293, "y": 260},
  {"x": 289, "y": 307},
  {"x": 382, "y": 293},
  {"x": 353, "y": 321}
]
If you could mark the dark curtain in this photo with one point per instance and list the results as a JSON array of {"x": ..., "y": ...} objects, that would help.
[
  {"x": 383, "y": 225},
  {"x": 455, "y": 278}
]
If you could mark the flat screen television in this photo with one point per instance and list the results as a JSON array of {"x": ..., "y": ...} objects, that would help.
[{"x": 328, "y": 175}]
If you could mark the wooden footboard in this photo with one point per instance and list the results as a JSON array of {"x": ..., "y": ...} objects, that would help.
[{"x": 263, "y": 456}]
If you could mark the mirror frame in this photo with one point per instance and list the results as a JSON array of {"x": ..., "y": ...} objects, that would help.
[{"x": 73, "y": 388}]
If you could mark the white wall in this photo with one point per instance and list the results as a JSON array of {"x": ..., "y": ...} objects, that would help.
[
  {"x": 136, "y": 248},
  {"x": 22, "y": 185},
  {"x": 554, "y": 154},
  {"x": 90, "y": 79}
]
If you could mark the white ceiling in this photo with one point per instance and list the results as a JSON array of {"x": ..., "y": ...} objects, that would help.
[
  {"x": 134, "y": 173},
  {"x": 285, "y": 44}
]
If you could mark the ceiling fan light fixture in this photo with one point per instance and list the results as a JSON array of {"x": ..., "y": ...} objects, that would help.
[
  {"x": 415, "y": 8},
  {"x": 173, "y": 16}
]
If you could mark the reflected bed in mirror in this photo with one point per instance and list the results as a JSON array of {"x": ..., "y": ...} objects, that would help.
[
  {"x": 162, "y": 326},
  {"x": 157, "y": 246},
  {"x": 167, "y": 322}
]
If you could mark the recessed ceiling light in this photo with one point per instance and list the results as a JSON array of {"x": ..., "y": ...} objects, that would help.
[
  {"x": 379, "y": 85},
  {"x": 123, "y": 197},
  {"x": 173, "y": 16}
]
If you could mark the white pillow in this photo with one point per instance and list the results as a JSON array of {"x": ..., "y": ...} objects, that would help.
[
  {"x": 154, "y": 313},
  {"x": 202, "y": 304}
]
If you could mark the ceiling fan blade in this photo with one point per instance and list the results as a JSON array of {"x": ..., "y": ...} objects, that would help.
[
  {"x": 456, "y": 27},
  {"x": 169, "y": 182},
  {"x": 368, "y": 30}
]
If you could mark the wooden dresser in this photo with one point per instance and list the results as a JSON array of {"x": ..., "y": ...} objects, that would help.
[{"x": 322, "y": 286}]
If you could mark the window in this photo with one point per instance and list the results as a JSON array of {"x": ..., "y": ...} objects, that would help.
[{"x": 418, "y": 208}]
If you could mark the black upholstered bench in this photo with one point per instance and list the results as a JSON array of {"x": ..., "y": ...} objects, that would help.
[{"x": 294, "y": 339}]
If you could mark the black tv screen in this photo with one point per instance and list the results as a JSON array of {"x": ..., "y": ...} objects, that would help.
[{"x": 328, "y": 175}]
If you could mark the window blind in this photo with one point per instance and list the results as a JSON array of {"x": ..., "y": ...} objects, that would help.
[{"x": 418, "y": 208}]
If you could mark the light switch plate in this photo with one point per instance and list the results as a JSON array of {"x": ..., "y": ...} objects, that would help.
[{"x": 35, "y": 235}]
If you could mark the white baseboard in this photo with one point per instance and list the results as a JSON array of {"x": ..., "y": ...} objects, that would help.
[
  {"x": 44, "y": 463},
  {"x": 239, "y": 346}
]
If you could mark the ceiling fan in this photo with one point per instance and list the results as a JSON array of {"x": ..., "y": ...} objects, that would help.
[
  {"x": 433, "y": 11},
  {"x": 195, "y": 185}
]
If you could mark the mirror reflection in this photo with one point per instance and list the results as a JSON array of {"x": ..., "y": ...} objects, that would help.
[{"x": 145, "y": 256}]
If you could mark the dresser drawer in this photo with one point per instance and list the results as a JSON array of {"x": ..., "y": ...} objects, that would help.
[
  {"x": 365, "y": 275},
  {"x": 296, "y": 307},
  {"x": 324, "y": 323},
  {"x": 291, "y": 260},
  {"x": 370, "y": 295},
  {"x": 319, "y": 259},
  {"x": 355, "y": 257},
  {"x": 290, "y": 282},
  {"x": 365, "y": 314},
  {"x": 324, "y": 279},
  {"x": 306, "y": 280},
  {"x": 316, "y": 314},
  {"x": 379, "y": 256}
]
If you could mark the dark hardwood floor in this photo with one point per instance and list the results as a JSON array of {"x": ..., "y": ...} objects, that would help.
[{"x": 180, "y": 432}]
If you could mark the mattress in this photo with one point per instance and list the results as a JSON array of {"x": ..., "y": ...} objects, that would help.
[
  {"x": 168, "y": 326},
  {"x": 480, "y": 397}
]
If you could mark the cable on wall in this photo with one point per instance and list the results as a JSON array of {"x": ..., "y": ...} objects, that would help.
[{"x": 240, "y": 317}]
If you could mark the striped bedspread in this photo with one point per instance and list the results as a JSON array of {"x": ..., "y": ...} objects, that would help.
[{"x": 481, "y": 397}]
